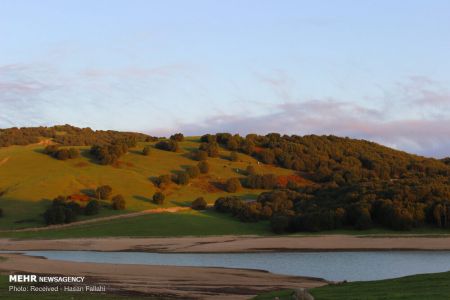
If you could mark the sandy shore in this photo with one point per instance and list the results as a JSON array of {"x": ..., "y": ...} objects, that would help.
[
  {"x": 233, "y": 244},
  {"x": 165, "y": 281}
]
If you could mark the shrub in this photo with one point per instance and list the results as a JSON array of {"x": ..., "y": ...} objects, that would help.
[
  {"x": 179, "y": 137},
  {"x": 163, "y": 180},
  {"x": 92, "y": 208},
  {"x": 118, "y": 202},
  {"x": 183, "y": 178},
  {"x": 169, "y": 145},
  {"x": 74, "y": 153},
  {"x": 199, "y": 204},
  {"x": 146, "y": 151},
  {"x": 103, "y": 192},
  {"x": 233, "y": 185},
  {"x": 193, "y": 171},
  {"x": 211, "y": 148},
  {"x": 158, "y": 198},
  {"x": 200, "y": 155},
  {"x": 203, "y": 166},
  {"x": 62, "y": 154}
]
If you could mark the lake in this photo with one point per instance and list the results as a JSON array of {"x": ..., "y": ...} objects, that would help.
[{"x": 368, "y": 265}]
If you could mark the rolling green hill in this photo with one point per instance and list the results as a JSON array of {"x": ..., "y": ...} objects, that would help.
[
  {"x": 30, "y": 179},
  {"x": 309, "y": 183}
]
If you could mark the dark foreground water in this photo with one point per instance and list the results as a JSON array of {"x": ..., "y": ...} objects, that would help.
[{"x": 329, "y": 265}]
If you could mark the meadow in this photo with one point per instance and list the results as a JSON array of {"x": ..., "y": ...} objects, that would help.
[{"x": 417, "y": 287}]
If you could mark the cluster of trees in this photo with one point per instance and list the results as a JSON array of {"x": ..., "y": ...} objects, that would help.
[
  {"x": 332, "y": 159},
  {"x": 167, "y": 145},
  {"x": 182, "y": 177},
  {"x": 260, "y": 181},
  {"x": 23, "y": 136},
  {"x": 61, "y": 153},
  {"x": 66, "y": 135},
  {"x": 398, "y": 205},
  {"x": 108, "y": 154},
  {"x": 63, "y": 210}
]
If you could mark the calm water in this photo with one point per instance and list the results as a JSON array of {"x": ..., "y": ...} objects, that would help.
[{"x": 329, "y": 265}]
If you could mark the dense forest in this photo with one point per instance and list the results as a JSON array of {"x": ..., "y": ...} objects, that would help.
[
  {"x": 359, "y": 184},
  {"x": 66, "y": 135}
]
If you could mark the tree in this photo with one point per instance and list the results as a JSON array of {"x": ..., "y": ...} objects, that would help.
[
  {"x": 146, "y": 151},
  {"x": 169, "y": 145},
  {"x": 234, "y": 156},
  {"x": 199, "y": 204},
  {"x": 183, "y": 178},
  {"x": 203, "y": 167},
  {"x": 193, "y": 171},
  {"x": 179, "y": 137},
  {"x": 118, "y": 202},
  {"x": 233, "y": 185},
  {"x": 74, "y": 153},
  {"x": 200, "y": 155},
  {"x": 158, "y": 198},
  {"x": 211, "y": 148},
  {"x": 62, "y": 154},
  {"x": 103, "y": 192},
  {"x": 163, "y": 180},
  {"x": 92, "y": 208}
]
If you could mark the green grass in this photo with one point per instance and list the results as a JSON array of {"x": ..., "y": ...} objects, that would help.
[
  {"x": 6, "y": 294},
  {"x": 191, "y": 223},
  {"x": 434, "y": 286},
  {"x": 30, "y": 179}
]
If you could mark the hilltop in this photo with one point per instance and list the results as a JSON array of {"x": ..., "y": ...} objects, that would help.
[{"x": 298, "y": 183}]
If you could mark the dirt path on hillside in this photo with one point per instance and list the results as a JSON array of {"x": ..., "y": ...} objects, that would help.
[
  {"x": 230, "y": 244},
  {"x": 168, "y": 282},
  {"x": 108, "y": 218}
]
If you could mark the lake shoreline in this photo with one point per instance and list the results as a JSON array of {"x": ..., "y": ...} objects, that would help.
[
  {"x": 234, "y": 244},
  {"x": 168, "y": 282}
]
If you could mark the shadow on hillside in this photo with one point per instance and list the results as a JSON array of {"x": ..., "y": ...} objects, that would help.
[
  {"x": 142, "y": 198},
  {"x": 182, "y": 203}
]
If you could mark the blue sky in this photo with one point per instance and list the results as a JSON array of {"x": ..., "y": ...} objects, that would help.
[{"x": 377, "y": 70}]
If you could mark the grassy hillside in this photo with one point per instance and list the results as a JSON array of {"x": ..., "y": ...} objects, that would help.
[
  {"x": 416, "y": 287},
  {"x": 30, "y": 179},
  {"x": 192, "y": 223}
]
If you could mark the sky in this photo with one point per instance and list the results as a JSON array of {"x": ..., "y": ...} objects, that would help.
[{"x": 376, "y": 70}]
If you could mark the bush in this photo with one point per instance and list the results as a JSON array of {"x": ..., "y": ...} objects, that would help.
[
  {"x": 183, "y": 178},
  {"x": 211, "y": 148},
  {"x": 233, "y": 185},
  {"x": 193, "y": 171},
  {"x": 158, "y": 198},
  {"x": 118, "y": 202},
  {"x": 179, "y": 137},
  {"x": 199, "y": 204},
  {"x": 279, "y": 224},
  {"x": 146, "y": 151},
  {"x": 92, "y": 208},
  {"x": 203, "y": 166},
  {"x": 103, "y": 192},
  {"x": 200, "y": 155},
  {"x": 169, "y": 145},
  {"x": 163, "y": 180}
]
